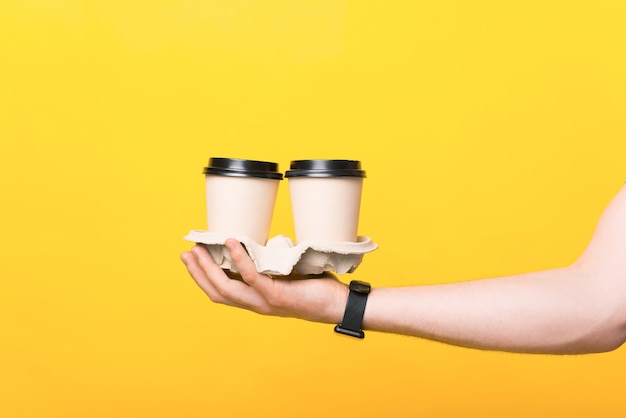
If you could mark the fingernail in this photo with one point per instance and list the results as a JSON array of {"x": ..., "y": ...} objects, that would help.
[{"x": 229, "y": 244}]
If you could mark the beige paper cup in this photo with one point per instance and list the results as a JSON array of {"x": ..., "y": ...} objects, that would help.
[
  {"x": 325, "y": 199},
  {"x": 240, "y": 196}
]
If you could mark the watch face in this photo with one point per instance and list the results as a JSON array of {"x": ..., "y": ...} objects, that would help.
[{"x": 360, "y": 287}]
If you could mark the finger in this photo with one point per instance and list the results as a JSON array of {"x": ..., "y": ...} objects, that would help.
[
  {"x": 205, "y": 260},
  {"x": 246, "y": 267},
  {"x": 199, "y": 276},
  {"x": 234, "y": 291}
]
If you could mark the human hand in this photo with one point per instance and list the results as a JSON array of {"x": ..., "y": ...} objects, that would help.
[{"x": 314, "y": 298}]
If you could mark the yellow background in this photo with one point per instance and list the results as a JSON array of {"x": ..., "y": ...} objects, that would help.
[{"x": 493, "y": 135}]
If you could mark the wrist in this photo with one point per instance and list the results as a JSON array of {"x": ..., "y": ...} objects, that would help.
[{"x": 339, "y": 307}]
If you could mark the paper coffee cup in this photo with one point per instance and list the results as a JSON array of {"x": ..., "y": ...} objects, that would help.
[
  {"x": 240, "y": 196},
  {"x": 325, "y": 199}
]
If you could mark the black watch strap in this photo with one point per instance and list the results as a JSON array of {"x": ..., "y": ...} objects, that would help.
[{"x": 352, "y": 322}]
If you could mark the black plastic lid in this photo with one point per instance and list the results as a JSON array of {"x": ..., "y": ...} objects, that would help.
[
  {"x": 325, "y": 168},
  {"x": 235, "y": 167}
]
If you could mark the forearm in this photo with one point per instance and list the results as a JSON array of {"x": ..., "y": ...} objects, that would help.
[
  {"x": 578, "y": 309},
  {"x": 554, "y": 311}
]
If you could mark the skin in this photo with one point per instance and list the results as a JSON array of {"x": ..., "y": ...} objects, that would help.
[{"x": 577, "y": 309}]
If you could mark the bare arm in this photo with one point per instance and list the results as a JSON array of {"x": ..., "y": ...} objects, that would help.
[
  {"x": 555, "y": 311},
  {"x": 577, "y": 309}
]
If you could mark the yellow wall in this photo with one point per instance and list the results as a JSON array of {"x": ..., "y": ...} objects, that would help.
[{"x": 493, "y": 135}]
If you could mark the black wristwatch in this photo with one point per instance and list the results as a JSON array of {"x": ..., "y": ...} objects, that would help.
[{"x": 352, "y": 322}]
